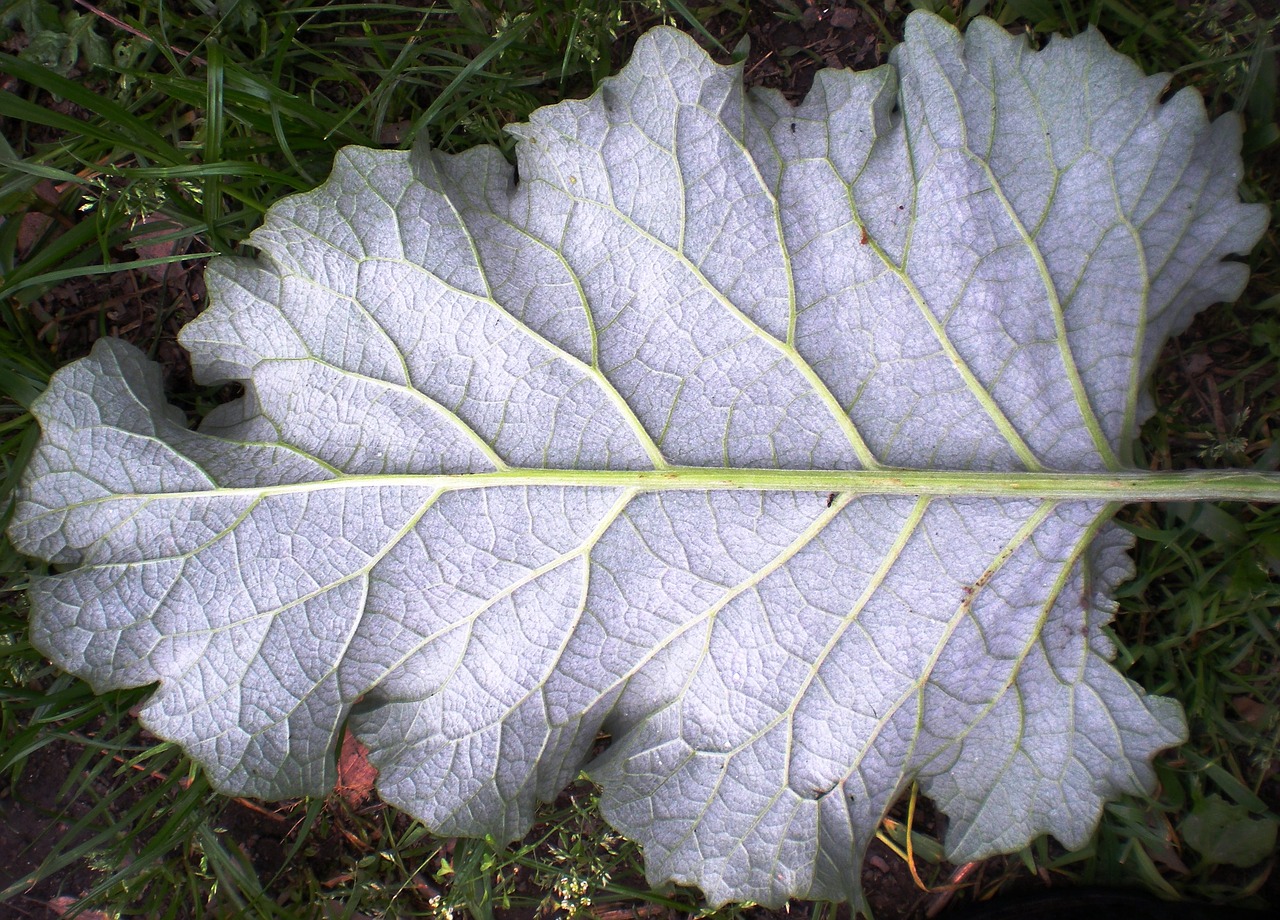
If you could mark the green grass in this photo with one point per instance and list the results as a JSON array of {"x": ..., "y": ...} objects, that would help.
[{"x": 194, "y": 118}]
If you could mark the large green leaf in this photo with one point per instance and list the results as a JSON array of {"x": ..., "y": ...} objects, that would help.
[{"x": 779, "y": 443}]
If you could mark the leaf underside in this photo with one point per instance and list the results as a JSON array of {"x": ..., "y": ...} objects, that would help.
[{"x": 967, "y": 260}]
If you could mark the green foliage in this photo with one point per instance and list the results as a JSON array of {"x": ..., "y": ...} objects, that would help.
[
  {"x": 1224, "y": 833},
  {"x": 56, "y": 41}
]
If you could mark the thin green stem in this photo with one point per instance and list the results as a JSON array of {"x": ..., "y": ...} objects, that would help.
[{"x": 1131, "y": 486}]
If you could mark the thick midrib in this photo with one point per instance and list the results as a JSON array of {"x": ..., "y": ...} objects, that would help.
[{"x": 1130, "y": 486}]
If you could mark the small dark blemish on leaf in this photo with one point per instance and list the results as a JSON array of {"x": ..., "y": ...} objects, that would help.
[
  {"x": 793, "y": 127},
  {"x": 831, "y": 498}
]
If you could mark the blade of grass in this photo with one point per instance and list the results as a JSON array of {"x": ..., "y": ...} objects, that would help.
[
  {"x": 695, "y": 23},
  {"x": 478, "y": 63},
  {"x": 131, "y": 132},
  {"x": 214, "y": 121},
  {"x": 84, "y": 270}
]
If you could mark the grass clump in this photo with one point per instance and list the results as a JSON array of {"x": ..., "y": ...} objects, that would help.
[{"x": 139, "y": 139}]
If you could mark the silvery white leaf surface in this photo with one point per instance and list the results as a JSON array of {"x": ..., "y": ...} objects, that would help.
[{"x": 966, "y": 261}]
